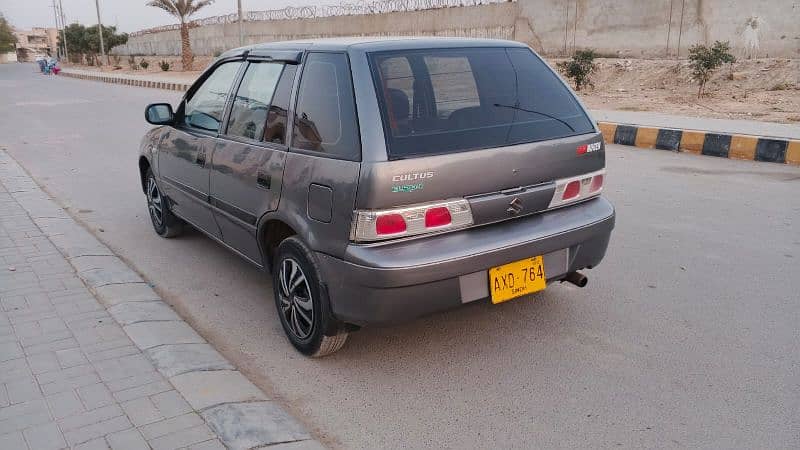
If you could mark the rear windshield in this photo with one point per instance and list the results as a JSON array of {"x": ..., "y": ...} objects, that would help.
[{"x": 451, "y": 100}]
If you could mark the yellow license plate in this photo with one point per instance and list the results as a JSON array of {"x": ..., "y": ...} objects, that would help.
[{"x": 516, "y": 279}]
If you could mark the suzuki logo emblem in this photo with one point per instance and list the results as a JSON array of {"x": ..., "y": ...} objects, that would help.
[{"x": 514, "y": 207}]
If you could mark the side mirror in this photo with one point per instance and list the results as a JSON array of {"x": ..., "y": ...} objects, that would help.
[{"x": 159, "y": 114}]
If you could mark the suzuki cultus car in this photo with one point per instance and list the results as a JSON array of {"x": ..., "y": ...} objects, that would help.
[{"x": 379, "y": 180}]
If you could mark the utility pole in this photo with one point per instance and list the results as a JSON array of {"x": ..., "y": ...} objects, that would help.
[
  {"x": 575, "y": 26},
  {"x": 241, "y": 24},
  {"x": 100, "y": 32},
  {"x": 680, "y": 30},
  {"x": 63, "y": 29},
  {"x": 566, "y": 26},
  {"x": 669, "y": 26},
  {"x": 58, "y": 28}
]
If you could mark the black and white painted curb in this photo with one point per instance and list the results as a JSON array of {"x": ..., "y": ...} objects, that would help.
[
  {"x": 239, "y": 413},
  {"x": 721, "y": 145},
  {"x": 128, "y": 81}
]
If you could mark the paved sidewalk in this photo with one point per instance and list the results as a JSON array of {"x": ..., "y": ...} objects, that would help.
[{"x": 92, "y": 358}]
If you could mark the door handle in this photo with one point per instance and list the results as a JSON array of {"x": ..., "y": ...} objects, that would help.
[{"x": 201, "y": 159}]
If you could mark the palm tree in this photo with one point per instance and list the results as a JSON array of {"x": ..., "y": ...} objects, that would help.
[{"x": 182, "y": 9}]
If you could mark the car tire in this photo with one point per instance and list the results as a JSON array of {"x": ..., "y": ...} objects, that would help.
[
  {"x": 302, "y": 301},
  {"x": 165, "y": 223}
]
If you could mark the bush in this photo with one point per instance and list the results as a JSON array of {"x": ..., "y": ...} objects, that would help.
[
  {"x": 164, "y": 65},
  {"x": 705, "y": 60},
  {"x": 144, "y": 64},
  {"x": 217, "y": 52},
  {"x": 580, "y": 68},
  {"x": 132, "y": 62}
]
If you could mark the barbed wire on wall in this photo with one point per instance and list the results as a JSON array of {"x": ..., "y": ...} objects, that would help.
[{"x": 309, "y": 12}]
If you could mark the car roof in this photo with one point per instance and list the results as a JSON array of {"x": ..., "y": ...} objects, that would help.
[{"x": 375, "y": 43}]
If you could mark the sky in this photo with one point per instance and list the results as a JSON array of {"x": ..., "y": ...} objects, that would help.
[{"x": 127, "y": 15}]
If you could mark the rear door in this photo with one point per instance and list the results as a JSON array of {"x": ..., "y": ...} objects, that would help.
[
  {"x": 249, "y": 155},
  {"x": 184, "y": 155}
]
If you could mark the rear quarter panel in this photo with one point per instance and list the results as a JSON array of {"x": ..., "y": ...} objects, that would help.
[{"x": 303, "y": 170}]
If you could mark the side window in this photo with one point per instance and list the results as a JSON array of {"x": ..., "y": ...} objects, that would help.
[
  {"x": 205, "y": 107},
  {"x": 325, "y": 117},
  {"x": 251, "y": 104},
  {"x": 279, "y": 110}
]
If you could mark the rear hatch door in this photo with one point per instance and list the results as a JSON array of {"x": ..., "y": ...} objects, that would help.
[{"x": 494, "y": 125}]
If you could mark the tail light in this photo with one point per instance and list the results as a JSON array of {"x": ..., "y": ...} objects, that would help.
[
  {"x": 390, "y": 224},
  {"x": 570, "y": 190},
  {"x": 597, "y": 183},
  {"x": 573, "y": 190},
  {"x": 438, "y": 217},
  {"x": 414, "y": 220}
]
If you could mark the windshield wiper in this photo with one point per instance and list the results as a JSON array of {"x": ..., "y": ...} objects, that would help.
[{"x": 519, "y": 108}]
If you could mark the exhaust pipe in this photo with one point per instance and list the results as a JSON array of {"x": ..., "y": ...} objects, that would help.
[{"x": 576, "y": 278}]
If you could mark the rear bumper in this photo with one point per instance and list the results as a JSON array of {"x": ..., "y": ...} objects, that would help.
[{"x": 384, "y": 284}]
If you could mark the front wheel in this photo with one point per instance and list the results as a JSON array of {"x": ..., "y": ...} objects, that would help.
[
  {"x": 302, "y": 302},
  {"x": 165, "y": 223}
]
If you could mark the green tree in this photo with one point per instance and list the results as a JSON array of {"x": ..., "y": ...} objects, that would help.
[
  {"x": 7, "y": 38},
  {"x": 76, "y": 40},
  {"x": 580, "y": 68},
  {"x": 182, "y": 9},
  {"x": 82, "y": 40},
  {"x": 705, "y": 60}
]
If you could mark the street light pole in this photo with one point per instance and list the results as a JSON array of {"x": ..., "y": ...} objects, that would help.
[
  {"x": 100, "y": 32},
  {"x": 241, "y": 25}
]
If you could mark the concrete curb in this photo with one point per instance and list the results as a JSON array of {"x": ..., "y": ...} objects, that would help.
[
  {"x": 237, "y": 411},
  {"x": 129, "y": 81},
  {"x": 723, "y": 145}
]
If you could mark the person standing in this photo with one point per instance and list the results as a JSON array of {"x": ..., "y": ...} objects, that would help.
[
  {"x": 51, "y": 65},
  {"x": 42, "y": 62}
]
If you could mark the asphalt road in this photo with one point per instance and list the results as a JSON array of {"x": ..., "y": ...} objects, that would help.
[{"x": 687, "y": 335}]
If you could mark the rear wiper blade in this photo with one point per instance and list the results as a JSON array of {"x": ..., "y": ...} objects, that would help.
[{"x": 519, "y": 108}]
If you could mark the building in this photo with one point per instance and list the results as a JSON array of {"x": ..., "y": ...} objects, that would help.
[
  {"x": 36, "y": 41},
  {"x": 8, "y": 57}
]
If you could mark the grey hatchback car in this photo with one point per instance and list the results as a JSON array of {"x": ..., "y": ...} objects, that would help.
[{"x": 379, "y": 179}]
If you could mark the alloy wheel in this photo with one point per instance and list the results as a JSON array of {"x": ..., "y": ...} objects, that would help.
[
  {"x": 154, "y": 202},
  {"x": 296, "y": 303}
]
